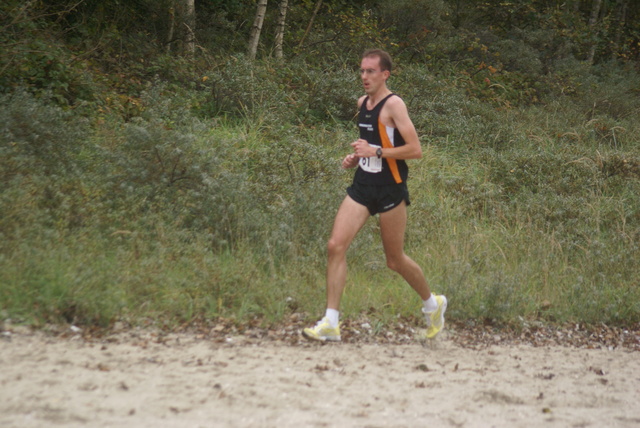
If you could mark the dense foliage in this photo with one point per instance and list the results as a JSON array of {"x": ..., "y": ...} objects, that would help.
[{"x": 140, "y": 181}]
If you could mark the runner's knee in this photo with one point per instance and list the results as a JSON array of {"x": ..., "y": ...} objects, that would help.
[
  {"x": 335, "y": 247},
  {"x": 394, "y": 263}
]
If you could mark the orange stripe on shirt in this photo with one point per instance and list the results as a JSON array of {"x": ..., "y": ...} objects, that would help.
[{"x": 386, "y": 143}]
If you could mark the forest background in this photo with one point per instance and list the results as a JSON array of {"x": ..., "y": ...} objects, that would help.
[{"x": 176, "y": 162}]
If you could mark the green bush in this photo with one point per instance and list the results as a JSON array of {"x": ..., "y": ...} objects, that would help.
[
  {"x": 37, "y": 133},
  {"x": 246, "y": 88}
]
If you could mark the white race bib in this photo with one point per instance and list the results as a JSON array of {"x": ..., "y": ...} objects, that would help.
[{"x": 372, "y": 164}]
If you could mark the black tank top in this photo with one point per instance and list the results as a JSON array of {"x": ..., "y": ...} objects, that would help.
[{"x": 373, "y": 170}]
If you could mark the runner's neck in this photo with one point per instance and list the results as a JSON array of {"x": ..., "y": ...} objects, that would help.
[{"x": 376, "y": 98}]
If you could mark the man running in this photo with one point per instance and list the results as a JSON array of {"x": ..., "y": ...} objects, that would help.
[{"x": 387, "y": 138}]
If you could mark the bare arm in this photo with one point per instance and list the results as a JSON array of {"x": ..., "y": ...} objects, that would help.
[
  {"x": 397, "y": 116},
  {"x": 352, "y": 159}
]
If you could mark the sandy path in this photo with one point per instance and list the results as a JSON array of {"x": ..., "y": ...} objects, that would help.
[{"x": 136, "y": 380}]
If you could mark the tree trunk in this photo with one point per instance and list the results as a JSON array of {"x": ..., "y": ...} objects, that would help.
[
  {"x": 190, "y": 24},
  {"x": 172, "y": 24},
  {"x": 596, "y": 5},
  {"x": 313, "y": 17},
  {"x": 282, "y": 17},
  {"x": 619, "y": 23},
  {"x": 254, "y": 38}
]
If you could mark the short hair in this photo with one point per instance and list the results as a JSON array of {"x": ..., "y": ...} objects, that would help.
[{"x": 385, "y": 58}]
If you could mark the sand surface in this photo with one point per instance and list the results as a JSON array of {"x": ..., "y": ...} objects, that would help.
[{"x": 142, "y": 379}]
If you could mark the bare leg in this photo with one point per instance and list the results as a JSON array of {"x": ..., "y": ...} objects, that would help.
[
  {"x": 349, "y": 220},
  {"x": 392, "y": 228}
]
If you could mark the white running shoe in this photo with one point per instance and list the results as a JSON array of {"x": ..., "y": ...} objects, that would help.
[
  {"x": 435, "y": 319},
  {"x": 323, "y": 332}
]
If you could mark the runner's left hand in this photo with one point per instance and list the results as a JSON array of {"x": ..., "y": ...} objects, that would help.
[{"x": 362, "y": 149}]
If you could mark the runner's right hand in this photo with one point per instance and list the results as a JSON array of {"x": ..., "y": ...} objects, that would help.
[{"x": 350, "y": 161}]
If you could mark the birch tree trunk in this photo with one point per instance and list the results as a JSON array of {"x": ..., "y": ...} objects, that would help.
[
  {"x": 282, "y": 17},
  {"x": 190, "y": 24},
  {"x": 256, "y": 29}
]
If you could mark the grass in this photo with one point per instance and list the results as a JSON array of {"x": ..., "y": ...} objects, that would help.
[{"x": 525, "y": 213}]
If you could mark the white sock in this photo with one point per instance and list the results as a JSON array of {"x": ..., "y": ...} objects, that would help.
[
  {"x": 334, "y": 317},
  {"x": 431, "y": 304}
]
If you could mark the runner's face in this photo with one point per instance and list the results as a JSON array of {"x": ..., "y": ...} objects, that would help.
[{"x": 373, "y": 78}]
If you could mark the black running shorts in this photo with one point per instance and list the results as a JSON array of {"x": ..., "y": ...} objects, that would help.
[{"x": 379, "y": 199}]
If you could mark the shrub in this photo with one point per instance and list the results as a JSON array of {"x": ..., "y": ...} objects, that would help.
[
  {"x": 247, "y": 88},
  {"x": 37, "y": 133}
]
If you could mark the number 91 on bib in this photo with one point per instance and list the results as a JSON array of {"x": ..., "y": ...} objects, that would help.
[{"x": 372, "y": 164}]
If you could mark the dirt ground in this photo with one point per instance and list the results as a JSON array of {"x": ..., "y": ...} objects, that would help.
[{"x": 138, "y": 378}]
